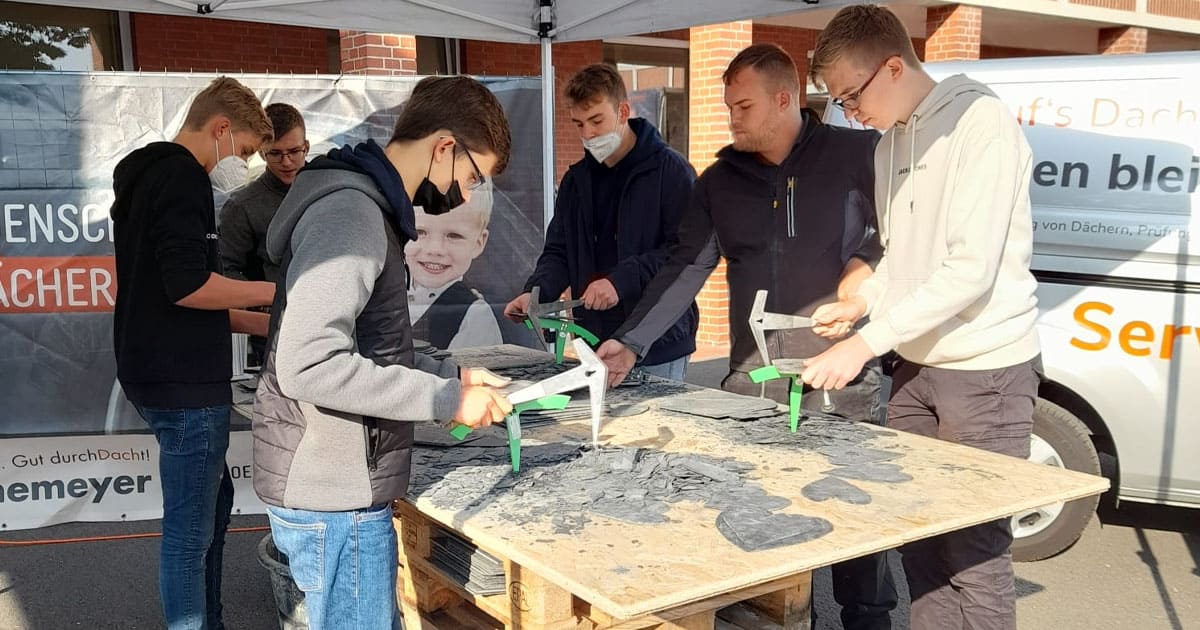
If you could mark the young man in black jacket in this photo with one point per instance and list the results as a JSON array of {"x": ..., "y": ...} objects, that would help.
[
  {"x": 789, "y": 206},
  {"x": 616, "y": 212},
  {"x": 172, "y": 332}
]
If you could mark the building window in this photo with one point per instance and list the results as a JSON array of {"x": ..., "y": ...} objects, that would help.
[
  {"x": 44, "y": 37},
  {"x": 655, "y": 74},
  {"x": 437, "y": 55}
]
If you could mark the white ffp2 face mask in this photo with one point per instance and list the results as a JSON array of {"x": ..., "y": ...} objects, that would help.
[
  {"x": 603, "y": 146},
  {"x": 231, "y": 172}
]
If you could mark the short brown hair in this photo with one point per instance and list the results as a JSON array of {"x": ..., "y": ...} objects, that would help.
[
  {"x": 866, "y": 34},
  {"x": 462, "y": 106},
  {"x": 769, "y": 60},
  {"x": 595, "y": 82},
  {"x": 284, "y": 118},
  {"x": 226, "y": 97}
]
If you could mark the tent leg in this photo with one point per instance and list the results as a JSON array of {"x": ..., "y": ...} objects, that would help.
[{"x": 547, "y": 133}]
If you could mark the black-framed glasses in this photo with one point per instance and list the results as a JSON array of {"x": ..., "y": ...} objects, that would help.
[
  {"x": 479, "y": 178},
  {"x": 275, "y": 156},
  {"x": 851, "y": 101}
]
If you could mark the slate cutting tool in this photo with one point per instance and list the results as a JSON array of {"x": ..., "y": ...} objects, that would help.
[
  {"x": 555, "y": 316},
  {"x": 548, "y": 394},
  {"x": 762, "y": 321}
]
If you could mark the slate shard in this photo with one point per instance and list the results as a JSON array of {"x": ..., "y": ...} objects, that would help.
[
  {"x": 827, "y": 488},
  {"x": 758, "y": 530}
]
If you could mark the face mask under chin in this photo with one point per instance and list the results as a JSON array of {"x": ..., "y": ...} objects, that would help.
[{"x": 434, "y": 201}]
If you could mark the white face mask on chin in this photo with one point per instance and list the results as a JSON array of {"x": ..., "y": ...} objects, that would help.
[
  {"x": 603, "y": 146},
  {"x": 231, "y": 172}
]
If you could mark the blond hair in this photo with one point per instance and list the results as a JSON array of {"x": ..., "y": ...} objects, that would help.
[
  {"x": 226, "y": 97},
  {"x": 865, "y": 34}
]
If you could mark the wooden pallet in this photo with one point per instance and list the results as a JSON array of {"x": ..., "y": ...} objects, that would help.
[{"x": 431, "y": 599}]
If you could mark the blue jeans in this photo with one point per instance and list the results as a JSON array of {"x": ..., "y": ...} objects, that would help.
[
  {"x": 345, "y": 562},
  {"x": 675, "y": 370},
  {"x": 197, "y": 499}
]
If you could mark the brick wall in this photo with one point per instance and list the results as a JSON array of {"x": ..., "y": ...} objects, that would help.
[
  {"x": 1121, "y": 40},
  {"x": 499, "y": 59},
  {"x": 378, "y": 53},
  {"x": 186, "y": 44},
  {"x": 952, "y": 32}
]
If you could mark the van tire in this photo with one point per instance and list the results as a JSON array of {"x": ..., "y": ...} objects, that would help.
[{"x": 1071, "y": 442}]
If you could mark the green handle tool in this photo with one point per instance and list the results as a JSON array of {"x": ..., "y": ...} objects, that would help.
[
  {"x": 561, "y": 327},
  {"x": 795, "y": 390},
  {"x": 512, "y": 423}
]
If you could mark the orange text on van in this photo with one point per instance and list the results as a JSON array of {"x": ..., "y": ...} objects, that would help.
[{"x": 1136, "y": 338}]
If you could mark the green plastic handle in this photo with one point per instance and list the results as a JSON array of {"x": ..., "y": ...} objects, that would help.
[
  {"x": 764, "y": 374},
  {"x": 553, "y": 401},
  {"x": 795, "y": 390}
]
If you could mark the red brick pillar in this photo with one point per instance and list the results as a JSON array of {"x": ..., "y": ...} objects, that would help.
[
  {"x": 712, "y": 47},
  {"x": 1122, "y": 40},
  {"x": 378, "y": 53},
  {"x": 953, "y": 32}
]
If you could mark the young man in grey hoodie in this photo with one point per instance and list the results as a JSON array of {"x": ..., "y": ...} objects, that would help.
[
  {"x": 953, "y": 294},
  {"x": 341, "y": 386}
]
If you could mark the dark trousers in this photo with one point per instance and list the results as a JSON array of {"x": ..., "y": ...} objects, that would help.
[
  {"x": 964, "y": 579},
  {"x": 862, "y": 586}
]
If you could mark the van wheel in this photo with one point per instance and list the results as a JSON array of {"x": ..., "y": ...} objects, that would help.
[{"x": 1059, "y": 439}]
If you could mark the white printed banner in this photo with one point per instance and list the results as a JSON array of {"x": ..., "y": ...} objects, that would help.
[
  {"x": 49, "y": 480},
  {"x": 61, "y": 135}
]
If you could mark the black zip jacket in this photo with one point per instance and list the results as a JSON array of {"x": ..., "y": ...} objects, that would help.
[{"x": 788, "y": 228}]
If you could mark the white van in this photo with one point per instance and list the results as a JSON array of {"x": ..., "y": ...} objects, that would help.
[{"x": 1116, "y": 145}]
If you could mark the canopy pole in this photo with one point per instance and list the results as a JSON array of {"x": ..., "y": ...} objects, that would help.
[{"x": 545, "y": 23}]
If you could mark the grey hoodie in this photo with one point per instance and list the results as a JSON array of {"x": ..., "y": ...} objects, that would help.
[
  {"x": 316, "y": 453},
  {"x": 954, "y": 289}
]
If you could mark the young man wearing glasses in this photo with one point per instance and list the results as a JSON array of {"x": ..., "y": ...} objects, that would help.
[
  {"x": 789, "y": 207},
  {"x": 616, "y": 212},
  {"x": 341, "y": 387},
  {"x": 953, "y": 294},
  {"x": 248, "y": 211}
]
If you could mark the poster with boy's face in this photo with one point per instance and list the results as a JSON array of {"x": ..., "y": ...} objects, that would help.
[{"x": 60, "y": 138}]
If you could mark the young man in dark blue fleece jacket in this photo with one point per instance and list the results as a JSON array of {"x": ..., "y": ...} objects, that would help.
[{"x": 616, "y": 213}]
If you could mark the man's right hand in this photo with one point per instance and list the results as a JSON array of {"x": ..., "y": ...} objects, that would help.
[
  {"x": 618, "y": 358},
  {"x": 836, "y": 319},
  {"x": 480, "y": 406},
  {"x": 516, "y": 309}
]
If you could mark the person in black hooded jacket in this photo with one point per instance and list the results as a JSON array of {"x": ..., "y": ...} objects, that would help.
[
  {"x": 616, "y": 213},
  {"x": 172, "y": 330},
  {"x": 789, "y": 205}
]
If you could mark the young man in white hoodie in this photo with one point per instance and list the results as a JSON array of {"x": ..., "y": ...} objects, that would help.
[{"x": 952, "y": 295}]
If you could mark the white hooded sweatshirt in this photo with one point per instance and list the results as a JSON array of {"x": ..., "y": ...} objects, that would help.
[{"x": 953, "y": 289}]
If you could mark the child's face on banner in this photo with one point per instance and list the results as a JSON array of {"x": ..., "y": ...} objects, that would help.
[{"x": 445, "y": 246}]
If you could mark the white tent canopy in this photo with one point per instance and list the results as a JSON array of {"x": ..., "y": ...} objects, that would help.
[
  {"x": 524, "y": 21},
  {"x": 496, "y": 20}
]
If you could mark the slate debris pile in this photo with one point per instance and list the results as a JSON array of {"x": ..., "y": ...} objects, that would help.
[{"x": 627, "y": 484}]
